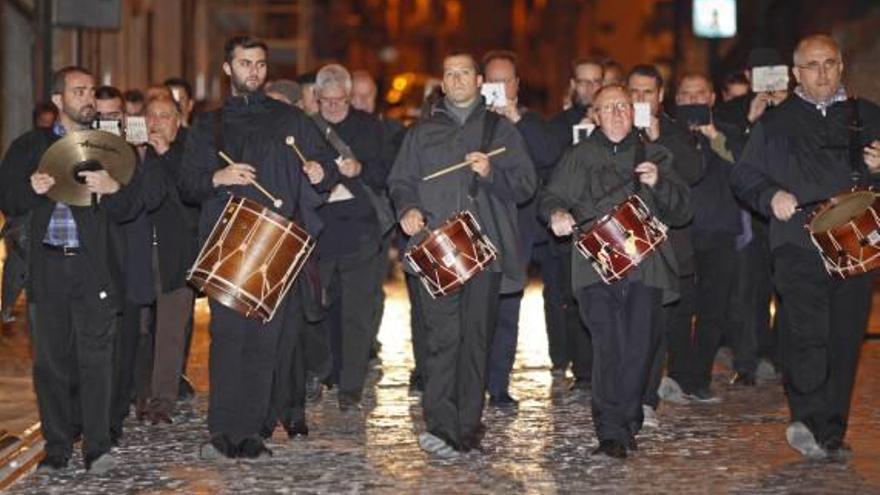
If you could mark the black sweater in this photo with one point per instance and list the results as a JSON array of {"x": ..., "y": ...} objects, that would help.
[{"x": 798, "y": 149}]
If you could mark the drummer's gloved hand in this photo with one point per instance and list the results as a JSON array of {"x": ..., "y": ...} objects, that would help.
[
  {"x": 99, "y": 182},
  {"x": 41, "y": 183},
  {"x": 784, "y": 205},
  {"x": 562, "y": 223},
  {"x": 313, "y": 171},
  {"x": 412, "y": 221},
  {"x": 479, "y": 163},
  {"x": 872, "y": 156},
  {"x": 235, "y": 174}
]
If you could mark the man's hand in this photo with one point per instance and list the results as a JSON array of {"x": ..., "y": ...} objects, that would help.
[
  {"x": 479, "y": 163},
  {"x": 235, "y": 174},
  {"x": 562, "y": 223},
  {"x": 784, "y": 205},
  {"x": 509, "y": 111},
  {"x": 759, "y": 104},
  {"x": 412, "y": 222},
  {"x": 709, "y": 130},
  {"x": 648, "y": 174},
  {"x": 100, "y": 182},
  {"x": 872, "y": 156},
  {"x": 159, "y": 143},
  {"x": 350, "y": 168},
  {"x": 41, "y": 183},
  {"x": 314, "y": 171}
]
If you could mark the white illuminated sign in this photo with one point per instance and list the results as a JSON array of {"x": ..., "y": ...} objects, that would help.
[{"x": 714, "y": 18}]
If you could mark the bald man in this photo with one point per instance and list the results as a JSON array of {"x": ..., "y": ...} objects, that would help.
[{"x": 797, "y": 157}]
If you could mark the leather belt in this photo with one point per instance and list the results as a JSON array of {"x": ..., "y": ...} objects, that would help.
[{"x": 62, "y": 250}]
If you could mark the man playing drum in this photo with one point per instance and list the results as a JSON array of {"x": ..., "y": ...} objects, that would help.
[
  {"x": 796, "y": 158},
  {"x": 623, "y": 316},
  {"x": 459, "y": 325},
  {"x": 253, "y": 131}
]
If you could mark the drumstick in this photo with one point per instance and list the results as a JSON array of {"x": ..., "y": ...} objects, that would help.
[
  {"x": 453, "y": 168},
  {"x": 290, "y": 141},
  {"x": 275, "y": 201}
]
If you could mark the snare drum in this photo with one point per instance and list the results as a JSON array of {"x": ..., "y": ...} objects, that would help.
[
  {"x": 251, "y": 259},
  {"x": 846, "y": 230},
  {"x": 619, "y": 241},
  {"x": 451, "y": 255}
]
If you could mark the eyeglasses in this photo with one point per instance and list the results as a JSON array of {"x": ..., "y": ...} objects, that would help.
[
  {"x": 814, "y": 66},
  {"x": 338, "y": 101},
  {"x": 588, "y": 82},
  {"x": 619, "y": 106}
]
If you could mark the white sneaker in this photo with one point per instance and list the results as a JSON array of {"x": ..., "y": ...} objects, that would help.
[
  {"x": 670, "y": 391},
  {"x": 435, "y": 446},
  {"x": 650, "y": 419},
  {"x": 801, "y": 439}
]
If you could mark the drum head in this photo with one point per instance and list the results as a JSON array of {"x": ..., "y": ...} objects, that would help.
[{"x": 846, "y": 207}]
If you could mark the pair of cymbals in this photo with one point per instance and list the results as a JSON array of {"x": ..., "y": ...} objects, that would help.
[{"x": 80, "y": 151}]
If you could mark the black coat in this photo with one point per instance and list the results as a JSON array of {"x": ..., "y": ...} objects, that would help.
[
  {"x": 156, "y": 206},
  {"x": 100, "y": 238},
  {"x": 594, "y": 176},
  {"x": 798, "y": 149},
  {"x": 439, "y": 141}
]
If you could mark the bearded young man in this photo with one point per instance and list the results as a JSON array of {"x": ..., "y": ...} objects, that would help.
[{"x": 251, "y": 128}]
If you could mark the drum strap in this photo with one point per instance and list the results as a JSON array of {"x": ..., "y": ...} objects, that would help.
[
  {"x": 490, "y": 123},
  {"x": 333, "y": 137},
  {"x": 219, "y": 142},
  {"x": 855, "y": 127}
]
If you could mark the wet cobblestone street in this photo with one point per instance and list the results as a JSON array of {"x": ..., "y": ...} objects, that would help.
[{"x": 737, "y": 446}]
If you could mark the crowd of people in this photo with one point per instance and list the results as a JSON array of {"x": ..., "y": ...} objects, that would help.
[{"x": 734, "y": 180}]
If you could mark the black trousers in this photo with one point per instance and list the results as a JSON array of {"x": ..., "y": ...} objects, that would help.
[
  {"x": 580, "y": 342},
  {"x": 716, "y": 262},
  {"x": 73, "y": 332},
  {"x": 624, "y": 319},
  {"x": 675, "y": 340},
  {"x": 502, "y": 348},
  {"x": 756, "y": 284},
  {"x": 241, "y": 364},
  {"x": 14, "y": 273},
  {"x": 289, "y": 378},
  {"x": 824, "y": 329},
  {"x": 352, "y": 285},
  {"x": 132, "y": 361},
  {"x": 458, "y": 327},
  {"x": 417, "y": 327},
  {"x": 552, "y": 271}
]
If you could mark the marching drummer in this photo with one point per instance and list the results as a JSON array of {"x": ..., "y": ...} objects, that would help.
[
  {"x": 255, "y": 133},
  {"x": 797, "y": 156},
  {"x": 459, "y": 324},
  {"x": 593, "y": 177}
]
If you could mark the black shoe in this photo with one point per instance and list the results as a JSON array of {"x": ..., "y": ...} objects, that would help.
[
  {"x": 219, "y": 446},
  {"x": 416, "y": 384},
  {"x": 702, "y": 396},
  {"x": 314, "y": 388},
  {"x": 53, "y": 462},
  {"x": 503, "y": 401},
  {"x": 115, "y": 435},
  {"x": 580, "y": 385},
  {"x": 611, "y": 449},
  {"x": 745, "y": 378},
  {"x": 253, "y": 448},
  {"x": 837, "y": 449},
  {"x": 348, "y": 403},
  {"x": 185, "y": 389},
  {"x": 558, "y": 371},
  {"x": 632, "y": 446},
  {"x": 297, "y": 428}
]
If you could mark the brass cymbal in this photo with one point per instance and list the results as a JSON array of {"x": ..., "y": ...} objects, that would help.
[{"x": 82, "y": 151}]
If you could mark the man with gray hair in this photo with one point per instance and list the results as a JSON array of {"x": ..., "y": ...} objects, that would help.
[
  {"x": 796, "y": 158},
  {"x": 355, "y": 221}
]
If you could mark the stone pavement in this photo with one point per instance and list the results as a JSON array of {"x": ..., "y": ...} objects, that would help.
[{"x": 735, "y": 447}]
